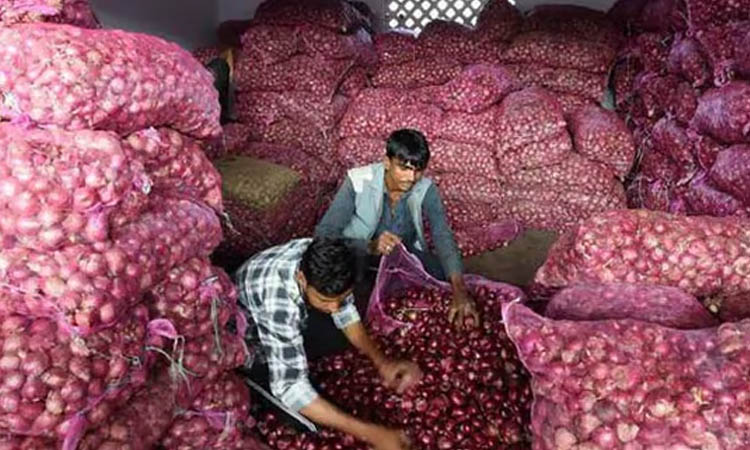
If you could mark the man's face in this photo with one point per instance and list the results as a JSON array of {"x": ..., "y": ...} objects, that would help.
[
  {"x": 328, "y": 305},
  {"x": 401, "y": 176}
]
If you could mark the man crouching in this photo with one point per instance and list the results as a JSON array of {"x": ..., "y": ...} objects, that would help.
[{"x": 298, "y": 297}]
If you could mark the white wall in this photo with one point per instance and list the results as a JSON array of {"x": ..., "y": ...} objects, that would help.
[{"x": 190, "y": 23}]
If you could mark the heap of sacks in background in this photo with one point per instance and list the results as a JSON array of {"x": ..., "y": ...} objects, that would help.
[
  {"x": 683, "y": 83},
  {"x": 114, "y": 321},
  {"x": 70, "y": 12},
  {"x": 494, "y": 143},
  {"x": 297, "y": 69}
]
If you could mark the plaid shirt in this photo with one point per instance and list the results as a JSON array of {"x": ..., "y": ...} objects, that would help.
[{"x": 272, "y": 301}]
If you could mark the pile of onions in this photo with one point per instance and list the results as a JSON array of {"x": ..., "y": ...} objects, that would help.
[
  {"x": 268, "y": 107},
  {"x": 559, "y": 50},
  {"x": 703, "y": 256},
  {"x": 415, "y": 74},
  {"x": 586, "y": 85},
  {"x": 176, "y": 164},
  {"x": 59, "y": 187},
  {"x": 629, "y": 385},
  {"x": 90, "y": 286},
  {"x": 601, "y": 136},
  {"x": 55, "y": 383},
  {"x": 105, "y": 94},
  {"x": 475, "y": 89},
  {"x": 72, "y": 12},
  {"x": 300, "y": 72},
  {"x": 140, "y": 423},
  {"x": 215, "y": 419},
  {"x": 474, "y": 392},
  {"x": 195, "y": 297}
]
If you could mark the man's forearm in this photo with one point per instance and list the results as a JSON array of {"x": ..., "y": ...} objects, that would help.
[
  {"x": 457, "y": 282},
  {"x": 324, "y": 413},
  {"x": 359, "y": 338}
]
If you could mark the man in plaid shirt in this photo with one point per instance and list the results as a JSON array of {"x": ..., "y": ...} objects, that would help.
[{"x": 282, "y": 289}]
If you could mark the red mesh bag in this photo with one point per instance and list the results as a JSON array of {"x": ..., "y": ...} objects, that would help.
[
  {"x": 705, "y": 199},
  {"x": 269, "y": 44},
  {"x": 724, "y": 45},
  {"x": 498, "y": 21},
  {"x": 141, "y": 422},
  {"x": 289, "y": 133},
  {"x": 447, "y": 156},
  {"x": 171, "y": 88},
  {"x": 569, "y": 81},
  {"x": 629, "y": 384},
  {"x": 215, "y": 419},
  {"x": 62, "y": 187},
  {"x": 601, "y": 136},
  {"x": 57, "y": 384},
  {"x": 360, "y": 151},
  {"x": 311, "y": 167},
  {"x": 663, "y": 305},
  {"x": 724, "y": 113},
  {"x": 562, "y": 51},
  {"x": 571, "y": 103},
  {"x": 300, "y": 72},
  {"x": 574, "y": 20},
  {"x": 197, "y": 298},
  {"x": 268, "y": 107},
  {"x": 467, "y": 186},
  {"x": 576, "y": 172},
  {"x": 88, "y": 287},
  {"x": 322, "y": 43},
  {"x": 702, "y": 13},
  {"x": 475, "y": 129},
  {"x": 731, "y": 172},
  {"x": 396, "y": 48},
  {"x": 656, "y": 92},
  {"x": 71, "y": 12},
  {"x": 703, "y": 256},
  {"x": 477, "y": 88},
  {"x": 687, "y": 60},
  {"x": 653, "y": 49},
  {"x": 234, "y": 136},
  {"x": 552, "y": 151},
  {"x": 177, "y": 165},
  {"x": 334, "y": 14},
  {"x": 705, "y": 149},
  {"x": 663, "y": 15},
  {"x": 527, "y": 116},
  {"x": 673, "y": 141},
  {"x": 414, "y": 74}
]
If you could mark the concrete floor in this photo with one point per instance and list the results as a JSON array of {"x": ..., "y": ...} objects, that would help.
[{"x": 516, "y": 263}]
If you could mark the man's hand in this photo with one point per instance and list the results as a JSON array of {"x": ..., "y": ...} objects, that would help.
[
  {"x": 400, "y": 375},
  {"x": 388, "y": 439},
  {"x": 463, "y": 307},
  {"x": 384, "y": 244}
]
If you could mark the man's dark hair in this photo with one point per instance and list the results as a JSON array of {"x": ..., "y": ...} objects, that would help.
[
  {"x": 410, "y": 146},
  {"x": 328, "y": 266}
]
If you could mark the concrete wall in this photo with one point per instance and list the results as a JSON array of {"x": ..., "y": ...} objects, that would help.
[{"x": 190, "y": 23}]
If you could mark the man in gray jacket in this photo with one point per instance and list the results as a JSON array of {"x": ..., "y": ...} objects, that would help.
[{"x": 382, "y": 205}]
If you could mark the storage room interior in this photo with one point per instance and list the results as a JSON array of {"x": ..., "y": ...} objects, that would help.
[{"x": 375, "y": 224}]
